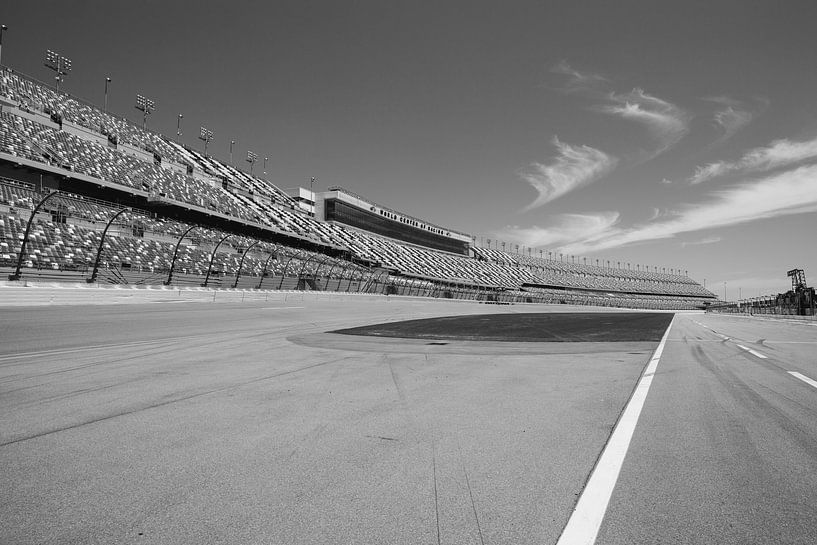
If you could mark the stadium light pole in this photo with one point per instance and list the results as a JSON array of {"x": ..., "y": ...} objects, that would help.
[
  {"x": 232, "y": 143},
  {"x": 146, "y": 106},
  {"x": 107, "y": 82},
  {"x": 265, "y": 166},
  {"x": 3, "y": 28},
  {"x": 179, "y": 125},
  {"x": 252, "y": 157},
  {"x": 205, "y": 135},
  {"x": 59, "y": 64}
]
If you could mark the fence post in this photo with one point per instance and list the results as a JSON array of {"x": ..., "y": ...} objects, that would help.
[
  {"x": 16, "y": 275},
  {"x": 286, "y": 268},
  {"x": 212, "y": 258},
  {"x": 241, "y": 263},
  {"x": 329, "y": 276},
  {"x": 264, "y": 272},
  {"x": 175, "y": 253},
  {"x": 92, "y": 279}
]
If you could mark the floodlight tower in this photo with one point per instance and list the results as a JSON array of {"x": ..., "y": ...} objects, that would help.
[
  {"x": 179, "y": 125},
  {"x": 146, "y": 106},
  {"x": 252, "y": 157},
  {"x": 205, "y": 135},
  {"x": 265, "y": 166},
  {"x": 59, "y": 64},
  {"x": 107, "y": 82},
  {"x": 232, "y": 143},
  {"x": 2, "y": 28}
]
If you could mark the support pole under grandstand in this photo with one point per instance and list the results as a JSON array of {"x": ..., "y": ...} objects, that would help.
[
  {"x": 16, "y": 275},
  {"x": 213, "y": 257},
  {"x": 241, "y": 264},
  {"x": 266, "y": 263},
  {"x": 92, "y": 279},
  {"x": 175, "y": 253}
]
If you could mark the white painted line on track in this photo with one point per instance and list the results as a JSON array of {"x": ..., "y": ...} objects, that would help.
[
  {"x": 279, "y": 308},
  {"x": 804, "y": 378},
  {"x": 177, "y": 302},
  {"x": 789, "y": 342},
  {"x": 63, "y": 351},
  {"x": 752, "y": 352},
  {"x": 583, "y": 525}
]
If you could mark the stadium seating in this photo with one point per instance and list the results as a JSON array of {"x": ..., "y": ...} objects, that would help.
[{"x": 66, "y": 236}]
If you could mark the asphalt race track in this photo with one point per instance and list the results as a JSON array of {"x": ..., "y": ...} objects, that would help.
[{"x": 179, "y": 422}]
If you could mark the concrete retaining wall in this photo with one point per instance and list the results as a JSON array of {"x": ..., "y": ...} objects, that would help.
[{"x": 17, "y": 294}]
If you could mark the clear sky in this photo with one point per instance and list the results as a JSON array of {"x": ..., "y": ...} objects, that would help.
[{"x": 672, "y": 134}]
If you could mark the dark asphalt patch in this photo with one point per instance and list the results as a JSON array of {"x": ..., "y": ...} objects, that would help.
[{"x": 543, "y": 327}]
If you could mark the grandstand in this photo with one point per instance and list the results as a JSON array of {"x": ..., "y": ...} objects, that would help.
[{"x": 87, "y": 195}]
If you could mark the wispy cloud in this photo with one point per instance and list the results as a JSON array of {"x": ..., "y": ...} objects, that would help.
[
  {"x": 731, "y": 120},
  {"x": 786, "y": 193},
  {"x": 732, "y": 116},
  {"x": 577, "y": 80},
  {"x": 561, "y": 228},
  {"x": 703, "y": 241},
  {"x": 573, "y": 167},
  {"x": 659, "y": 213},
  {"x": 665, "y": 121},
  {"x": 779, "y": 153}
]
